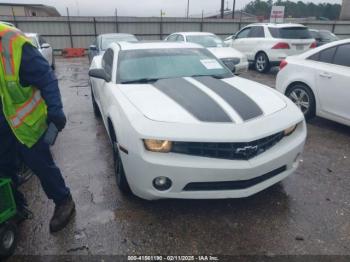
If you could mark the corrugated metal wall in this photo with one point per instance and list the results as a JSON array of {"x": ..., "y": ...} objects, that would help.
[{"x": 63, "y": 32}]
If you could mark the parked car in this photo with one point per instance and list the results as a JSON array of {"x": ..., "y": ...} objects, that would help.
[
  {"x": 323, "y": 36},
  {"x": 100, "y": 44},
  {"x": 228, "y": 40},
  {"x": 266, "y": 45},
  {"x": 216, "y": 46},
  {"x": 44, "y": 47},
  {"x": 318, "y": 81},
  {"x": 190, "y": 128}
]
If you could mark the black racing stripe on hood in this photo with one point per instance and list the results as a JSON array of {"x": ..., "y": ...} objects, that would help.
[
  {"x": 191, "y": 98},
  {"x": 240, "y": 102}
]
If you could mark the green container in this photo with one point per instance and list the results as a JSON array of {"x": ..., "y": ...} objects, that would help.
[{"x": 7, "y": 201}]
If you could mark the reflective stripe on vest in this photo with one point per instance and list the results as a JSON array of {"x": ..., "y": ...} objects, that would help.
[
  {"x": 7, "y": 37},
  {"x": 26, "y": 109}
]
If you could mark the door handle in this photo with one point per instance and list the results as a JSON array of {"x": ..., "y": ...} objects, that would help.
[{"x": 326, "y": 75}]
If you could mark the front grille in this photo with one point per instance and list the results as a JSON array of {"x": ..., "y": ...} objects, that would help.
[
  {"x": 230, "y": 62},
  {"x": 231, "y": 151},
  {"x": 233, "y": 185}
]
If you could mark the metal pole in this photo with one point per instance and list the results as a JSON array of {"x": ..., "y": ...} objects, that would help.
[
  {"x": 70, "y": 29},
  {"x": 202, "y": 21},
  {"x": 161, "y": 25},
  {"x": 14, "y": 17},
  {"x": 222, "y": 8},
  {"x": 233, "y": 9},
  {"x": 95, "y": 29},
  {"x": 188, "y": 9},
  {"x": 116, "y": 21}
]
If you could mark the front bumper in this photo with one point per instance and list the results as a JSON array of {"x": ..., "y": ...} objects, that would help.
[
  {"x": 141, "y": 169},
  {"x": 242, "y": 67}
]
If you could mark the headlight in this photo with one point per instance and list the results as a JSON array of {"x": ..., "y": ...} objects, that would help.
[
  {"x": 290, "y": 130},
  {"x": 162, "y": 146}
]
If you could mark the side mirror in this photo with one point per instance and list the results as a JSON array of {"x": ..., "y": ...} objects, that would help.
[
  {"x": 45, "y": 45},
  {"x": 93, "y": 47},
  {"x": 100, "y": 74}
]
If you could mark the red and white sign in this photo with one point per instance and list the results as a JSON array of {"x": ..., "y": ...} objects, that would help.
[{"x": 277, "y": 14}]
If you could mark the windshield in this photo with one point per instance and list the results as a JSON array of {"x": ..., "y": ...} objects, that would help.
[
  {"x": 106, "y": 41},
  {"x": 148, "y": 64},
  {"x": 205, "y": 40},
  {"x": 290, "y": 33}
]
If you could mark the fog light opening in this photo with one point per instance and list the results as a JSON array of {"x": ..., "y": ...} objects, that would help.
[{"x": 162, "y": 183}]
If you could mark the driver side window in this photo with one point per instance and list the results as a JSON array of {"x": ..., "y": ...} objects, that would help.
[
  {"x": 244, "y": 33},
  {"x": 107, "y": 62}
]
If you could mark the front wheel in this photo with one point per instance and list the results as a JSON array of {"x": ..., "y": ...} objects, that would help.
[
  {"x": 302, "y": 97},
  {"x": 122, "y": 183},
  {"x": 262, "y": 63},
  {"x": 8, "y": 239}
]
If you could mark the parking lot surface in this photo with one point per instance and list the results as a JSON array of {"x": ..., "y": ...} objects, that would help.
[{"x": 308, "y": 213}]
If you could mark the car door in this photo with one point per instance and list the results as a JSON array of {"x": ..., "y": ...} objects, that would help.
[
  {"x": 46, "y": 49},
  {"x": 102, "y": 92},
  {"x": 240, "y": 40},
  {"x": 255, "y": 37},
  {"x": 333, "y": 78}
]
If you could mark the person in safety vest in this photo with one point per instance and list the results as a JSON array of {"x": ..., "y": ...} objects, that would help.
[{"x": 30, "y": 100}]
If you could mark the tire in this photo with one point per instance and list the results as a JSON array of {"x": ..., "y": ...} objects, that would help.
[
  {"x": 303, "y": 97},
  {"x": 262, "y": 63},
  {"x": 119, "y": 172},
  {"x": 8, "y": 239},
  {"x": 97, "y": 111}
]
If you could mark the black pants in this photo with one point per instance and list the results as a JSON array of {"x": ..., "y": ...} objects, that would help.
[{"x": 38, "y": 159}]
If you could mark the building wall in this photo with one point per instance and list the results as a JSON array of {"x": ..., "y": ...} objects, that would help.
[
  {"x": 23, "y": 11},
  {"x": 7, "y": 10},
  {"x": 345, "y": 11}
]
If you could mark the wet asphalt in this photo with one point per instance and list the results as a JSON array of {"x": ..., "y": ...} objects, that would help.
[{"x": 308, "y": 213}]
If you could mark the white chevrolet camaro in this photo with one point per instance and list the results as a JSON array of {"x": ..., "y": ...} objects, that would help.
[{"x": 183, "y": 126}]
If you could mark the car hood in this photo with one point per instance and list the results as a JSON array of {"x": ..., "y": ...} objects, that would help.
[
  {"x": 225, "y": 52},
  {"x": 204, "y": 99}
]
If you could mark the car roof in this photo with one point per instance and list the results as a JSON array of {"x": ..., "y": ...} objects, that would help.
[
  {"x": 285, "y": 25},
  {"x": 194, "y": 33},
  {"x": 115, "y": 34},
  {"x": 154, "y": 45},
  {"x": 326, "y": 46}
]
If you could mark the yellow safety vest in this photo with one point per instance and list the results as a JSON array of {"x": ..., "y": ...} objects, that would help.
[{"x": 23, "y": 107}]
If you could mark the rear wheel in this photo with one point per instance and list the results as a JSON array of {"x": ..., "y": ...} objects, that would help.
[
  {"x": 303, "y": 97},
  {"x": 262, "y": 63},
  {"x": 122, "y": 183},
  {"x": 8, "y": 239}
]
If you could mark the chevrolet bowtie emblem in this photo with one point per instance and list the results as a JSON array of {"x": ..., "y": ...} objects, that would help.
[{"x": 247, "y": 150}]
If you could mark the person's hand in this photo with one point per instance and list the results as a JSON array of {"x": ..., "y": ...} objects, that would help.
[{"x": 59, "y": 120}]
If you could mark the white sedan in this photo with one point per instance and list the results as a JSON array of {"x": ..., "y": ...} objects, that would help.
[
  {"x": 318, "y": 81},
  {"x": 183, "y": 126},
  {"x": 44, "y": 47},
  {"x": 229, "y": 56}
]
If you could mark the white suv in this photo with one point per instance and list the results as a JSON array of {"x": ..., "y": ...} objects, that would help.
[{"x": 267, "y": 45}]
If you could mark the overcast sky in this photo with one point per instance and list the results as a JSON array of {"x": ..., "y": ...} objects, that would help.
[{"x": 139, "y": 7}]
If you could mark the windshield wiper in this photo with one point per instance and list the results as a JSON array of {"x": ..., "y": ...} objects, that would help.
[
  {"x": 214, "y": 76},
  {"x": 141, "y": 80}
]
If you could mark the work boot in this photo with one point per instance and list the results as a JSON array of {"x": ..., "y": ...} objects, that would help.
[{"x": 62, "y": 215}]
